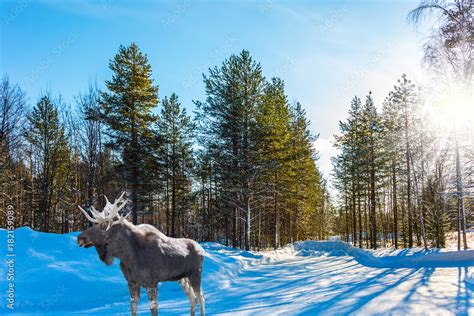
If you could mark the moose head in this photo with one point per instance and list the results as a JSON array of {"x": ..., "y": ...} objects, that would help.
[{"x": 104, "y": 230}]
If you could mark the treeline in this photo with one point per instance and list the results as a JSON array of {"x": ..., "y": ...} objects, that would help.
[
  {"x": 258, "y": 160},
  {"x": 241, "y": 172},
  {"x": 401, "y": 182}
]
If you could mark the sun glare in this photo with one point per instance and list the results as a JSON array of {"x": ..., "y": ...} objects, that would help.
[{"x": 454, "y": 109}]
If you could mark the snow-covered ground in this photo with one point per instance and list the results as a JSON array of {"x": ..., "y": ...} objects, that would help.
[
  {"x": 55, "y": 276},
  {"x": 452, "y": 240}
]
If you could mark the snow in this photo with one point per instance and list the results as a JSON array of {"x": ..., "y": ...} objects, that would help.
[
  {"x": 452, "y": 240},
  {"x": 470, "y": 280},
  {"x": 56, "y": 277},
  {"x": 401, "y": 258}
]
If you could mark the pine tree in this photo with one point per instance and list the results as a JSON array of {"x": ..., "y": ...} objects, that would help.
[
  {"x": 127, "y": 112},
  {"x": 360, "y": 170},
  {"x": 257, "y": 163},
  {"x": 371, "y": 131},
  {"x": 234, "y": 92},
  {"x": 435, "y": 204},
  {"x": 351, "y": 161},
  {"x": 392, "y": 122},
  {"x": 305, "y": 179},
  {"x": 274, "y": 144},
  {"x": 176, "y": 131},
  {"x": 405, "y": 96},
  {"x": 50, "y": 148}
]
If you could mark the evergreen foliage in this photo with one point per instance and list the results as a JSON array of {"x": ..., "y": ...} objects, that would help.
[{"x": 127, "y": 112}]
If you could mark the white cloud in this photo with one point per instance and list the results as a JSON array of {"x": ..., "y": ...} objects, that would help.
[{"x": 326, "y": 150}]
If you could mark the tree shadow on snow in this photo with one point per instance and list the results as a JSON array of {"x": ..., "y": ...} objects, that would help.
[{"x": 357, "y": 294}]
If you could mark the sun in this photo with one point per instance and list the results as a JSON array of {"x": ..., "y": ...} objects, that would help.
[{"x": 453, "y": 109}]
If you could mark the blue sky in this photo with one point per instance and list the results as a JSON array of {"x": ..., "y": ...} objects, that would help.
[{"x": 325, "y": 51}]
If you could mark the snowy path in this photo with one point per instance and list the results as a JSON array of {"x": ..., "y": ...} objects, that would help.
[
  {"x": 333, "y": 285},
  {"x": 55, "y": 277}
]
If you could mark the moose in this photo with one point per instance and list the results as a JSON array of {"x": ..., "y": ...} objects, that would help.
[{"x": 147, "y": 256}]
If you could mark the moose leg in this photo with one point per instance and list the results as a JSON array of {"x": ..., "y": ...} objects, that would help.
[
  {"x": 186, "y": 286},
  {"x": 134, "y": 297},
  {"x": 195, "y": 282},
  {"x": 153, "y": 299}
]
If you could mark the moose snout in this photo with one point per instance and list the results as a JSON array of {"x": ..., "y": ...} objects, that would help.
[{"x": 83, "y": 242}]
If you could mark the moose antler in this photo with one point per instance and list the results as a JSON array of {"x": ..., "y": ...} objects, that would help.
[{"x": 109, "y": 213}]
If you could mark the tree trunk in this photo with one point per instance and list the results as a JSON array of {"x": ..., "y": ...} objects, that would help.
[
  {"x": 361, "y": 239},
  {"x": 460, "y": 195},
  {"x": 276, "y": 244},
  {"x": 354, "y": 218},
  {"x": 247, "y": 225},
  {"x": 346, "y": 206},
  {"x": 394, "y": 201},
  {"x": 409, "y": 206},
  {"x": 173, "y": 191},
  {"x": 134, "y": 162},
  {"x": 373, "y": 219}
]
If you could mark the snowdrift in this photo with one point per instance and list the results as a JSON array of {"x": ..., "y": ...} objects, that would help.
[
  {"x": 54, "y": 275},
  {"x": 405, "y": 258}
]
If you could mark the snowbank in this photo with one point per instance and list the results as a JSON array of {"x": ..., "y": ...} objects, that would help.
[
  {"x": 53, "y": 274},
  {"x": 432, "y": 258}
]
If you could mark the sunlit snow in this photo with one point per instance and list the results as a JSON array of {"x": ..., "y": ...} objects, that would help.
[{"x": 55, "y": 276}]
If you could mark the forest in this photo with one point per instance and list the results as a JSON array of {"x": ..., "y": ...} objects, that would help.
[
  {"x": 404, "y": 173},
  {"x": 241, "y": 171},
  {"x": 237, "y": 157},
  {"x": 402, "y": 183},
  {"x": 242, "y": 168}
]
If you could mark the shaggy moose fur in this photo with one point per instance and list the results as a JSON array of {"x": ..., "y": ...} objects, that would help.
[{"x": 147, "y": 257}]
